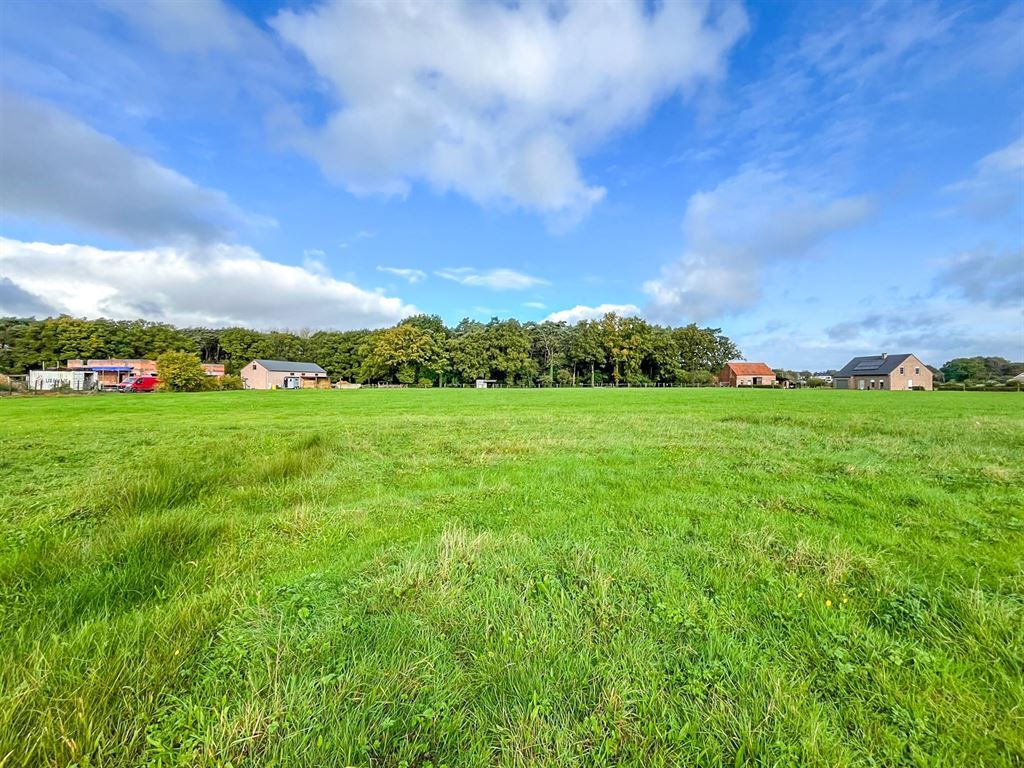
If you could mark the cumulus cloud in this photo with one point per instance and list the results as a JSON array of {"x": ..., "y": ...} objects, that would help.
[
  {"x": 187, "y": 287},
  {"x": 581, "y": 312},
  {"x": 56, "y": 168},
  {"x": 495, "y": 279},
  {"x": 996, "y": 188},
  {"x": 411, "y": 275},
  {"x": 985, "y": 275},
  {"x": 18, "y": 302},
  {"x": 735, "y": 230},
  {"x": 495, "y": 101}
]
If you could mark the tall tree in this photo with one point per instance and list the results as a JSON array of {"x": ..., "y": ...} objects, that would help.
[{"x": 402, "y": 354}]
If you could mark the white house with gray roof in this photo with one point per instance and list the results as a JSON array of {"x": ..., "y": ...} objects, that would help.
[{"x": 283, "y": 374}]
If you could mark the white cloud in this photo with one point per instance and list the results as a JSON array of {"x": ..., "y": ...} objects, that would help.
[
  {"x": 996, "y": 188},
  {"x": 198, "y": 26},
  {"x": 313, "y": 261},
  {"x": 495, "y": 279},
  {"x": 411, "y": 275},
  {"x": 581, "y": 312},
  {"x": 733, "y": 231},
  {"x": 986, "y": 276},
  {"x": 494, "y": 101},
  {"x": 187, "y": 287},
  {"x": 54, "y": 167},
  {"x": 362, "y": 234}
]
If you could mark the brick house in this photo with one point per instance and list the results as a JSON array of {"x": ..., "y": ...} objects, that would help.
[
  {"x": 284, "y": 374},
  {"x": 746, "y": 375},
  {"x": 110, "y": 372},
  {"x": 885, "y": 371}
]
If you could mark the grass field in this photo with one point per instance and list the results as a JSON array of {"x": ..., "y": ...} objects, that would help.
[{"x": 544, "y": 577}]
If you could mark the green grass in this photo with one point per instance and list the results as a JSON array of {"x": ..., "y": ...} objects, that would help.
[{"x": 467, "y": 578}]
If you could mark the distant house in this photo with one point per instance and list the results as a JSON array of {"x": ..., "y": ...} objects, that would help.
[
  {"x": 746, "y": 375},
  {"x": 884, "y": 371},
  {"x": 485, "y": 383},
  {"x": 284, "y": 374}
]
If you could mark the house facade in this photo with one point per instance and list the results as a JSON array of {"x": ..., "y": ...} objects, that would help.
[
  {"x": 746, "y": 375},
  {"x": 284, "y": 374},
  {"x": 110, "y": 372},
  {"x": 885, "y": 371}
]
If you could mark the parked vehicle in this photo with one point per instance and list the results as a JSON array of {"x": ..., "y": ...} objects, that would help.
[{"x": 139, "y": 384}]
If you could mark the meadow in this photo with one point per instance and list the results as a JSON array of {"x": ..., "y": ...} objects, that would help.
[{"x": 512, "y": 578}]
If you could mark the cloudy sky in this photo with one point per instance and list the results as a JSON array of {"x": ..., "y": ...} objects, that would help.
[{"x": 820, "y": 180}]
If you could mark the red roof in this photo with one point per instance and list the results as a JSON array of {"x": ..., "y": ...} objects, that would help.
[{"x": 750, "y": 369}]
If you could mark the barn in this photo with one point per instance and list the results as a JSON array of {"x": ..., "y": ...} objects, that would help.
[
  {"x": 746, "y": 375},
  {"x": 284, "y": 374}
]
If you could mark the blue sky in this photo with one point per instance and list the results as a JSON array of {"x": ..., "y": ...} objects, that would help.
[{"x": 819, "y": 180}]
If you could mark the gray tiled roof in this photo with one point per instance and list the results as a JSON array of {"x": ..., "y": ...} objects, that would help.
[
  {"x": 290, "y": 366},
  {"x": 873, "y": 365}
]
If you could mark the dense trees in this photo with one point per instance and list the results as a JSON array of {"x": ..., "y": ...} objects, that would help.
[
  {"x": 980, "y": 369},
  {"x": 420, "y": 350}
]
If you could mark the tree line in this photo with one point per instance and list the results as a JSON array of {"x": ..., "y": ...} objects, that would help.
[
  {"x": 420, "y": 350},
  {"x": 980, "y": 369}
]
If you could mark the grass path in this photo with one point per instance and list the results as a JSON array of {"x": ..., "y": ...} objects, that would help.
[{"x": 542, "y": 577}]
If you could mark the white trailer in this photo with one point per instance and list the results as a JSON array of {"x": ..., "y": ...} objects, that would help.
[{"x": 56, "y": 379}]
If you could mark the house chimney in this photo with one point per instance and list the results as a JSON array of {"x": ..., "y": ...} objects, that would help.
[{"x": 885, "y": 355}]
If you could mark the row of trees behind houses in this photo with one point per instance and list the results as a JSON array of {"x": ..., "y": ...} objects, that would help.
[{"x": 420, "y": 350}]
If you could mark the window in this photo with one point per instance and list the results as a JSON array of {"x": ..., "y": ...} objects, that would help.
[
  {"x": 254, "y": 366},
  {"x": 917, "y": 371},
  {"x": 901, "y": 370}
]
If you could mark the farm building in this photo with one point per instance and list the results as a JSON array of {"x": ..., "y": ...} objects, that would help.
[
  {"x": 110, "y": 372},
  {"x": 884, "y": 371},
  {"x": 746, "y": 375},
  {"x": 284, "y": 374}
]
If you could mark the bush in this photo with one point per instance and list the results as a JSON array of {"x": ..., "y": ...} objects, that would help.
[
  {"x": 697, "y": 379},
  {"x": 814, "y": 381},
  {"x": 180, "y": 372},
  {"x": 217, "y": 384}
]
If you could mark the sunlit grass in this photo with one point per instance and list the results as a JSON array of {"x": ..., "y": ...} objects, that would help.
[{"x": 657, "y": 577}]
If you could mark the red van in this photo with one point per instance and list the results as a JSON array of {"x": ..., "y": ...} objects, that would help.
[{"x": 139, "y": 384}]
